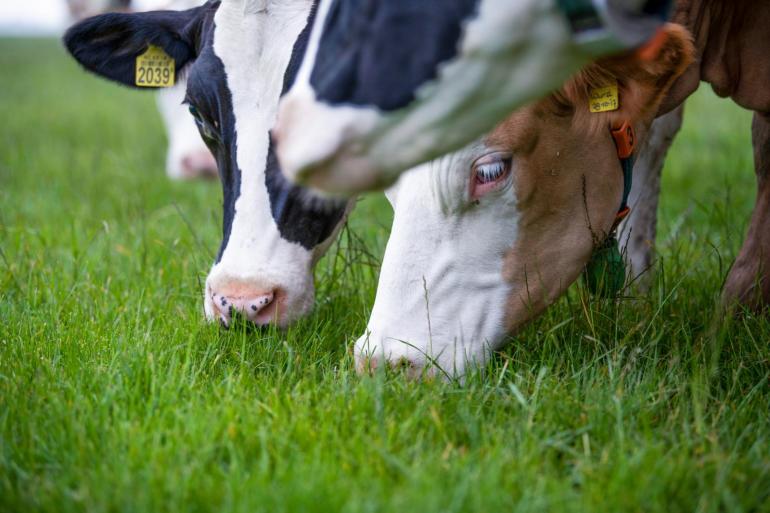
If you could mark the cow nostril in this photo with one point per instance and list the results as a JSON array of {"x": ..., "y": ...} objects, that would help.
[{"x": 257, "y": 307}]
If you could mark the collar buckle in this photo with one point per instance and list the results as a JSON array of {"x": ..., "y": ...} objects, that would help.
[{"x": 625, "y": 139}]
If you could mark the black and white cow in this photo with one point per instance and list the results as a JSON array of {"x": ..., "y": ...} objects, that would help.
[
  {"x": 390, "y": 84},
  {"x": 238, "y": 57}
]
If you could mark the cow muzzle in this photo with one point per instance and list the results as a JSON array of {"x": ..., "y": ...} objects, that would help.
[{"x": 257, "y": 307}]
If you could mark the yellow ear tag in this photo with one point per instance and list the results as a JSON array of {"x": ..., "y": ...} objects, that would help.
[
  {"x": 604, "y": 99},
  {"x": 155, "y": 68}
]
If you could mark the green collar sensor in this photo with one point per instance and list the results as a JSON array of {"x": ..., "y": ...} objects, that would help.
[{"x": 605, "y": 273}]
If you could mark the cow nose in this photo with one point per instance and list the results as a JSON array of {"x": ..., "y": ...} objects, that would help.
[
  {"x": 199, "y": 164},
  {"x": 257, "y": 307}
]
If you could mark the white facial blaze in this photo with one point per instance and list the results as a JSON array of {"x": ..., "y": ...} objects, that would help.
[
  {"x": 441, "y": 296},
  {"x": 255, "y": 40}
]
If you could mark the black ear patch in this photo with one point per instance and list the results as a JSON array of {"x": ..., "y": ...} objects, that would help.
[{"x": 108, "y": 45}]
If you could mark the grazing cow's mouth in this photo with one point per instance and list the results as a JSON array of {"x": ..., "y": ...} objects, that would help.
[{"x": 258, "y": 309}]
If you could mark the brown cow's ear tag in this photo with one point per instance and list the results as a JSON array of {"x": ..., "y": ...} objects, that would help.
[
  {"x": 604, "y": 99},
  {"x": 155, "y": 68}
]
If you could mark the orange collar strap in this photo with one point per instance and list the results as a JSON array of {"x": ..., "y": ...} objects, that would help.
[{"x": 625, "y": 142}]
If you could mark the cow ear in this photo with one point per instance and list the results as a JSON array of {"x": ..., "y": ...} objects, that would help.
[
  {"x": 108, "y": 45},
  {"x": 639, "y": 82}
]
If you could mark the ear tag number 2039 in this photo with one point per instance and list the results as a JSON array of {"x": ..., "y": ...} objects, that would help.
[{"x": 155, "y": 68}]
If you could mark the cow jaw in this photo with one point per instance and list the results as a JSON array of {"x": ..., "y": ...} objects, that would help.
[{"x": 441, "y": 298}]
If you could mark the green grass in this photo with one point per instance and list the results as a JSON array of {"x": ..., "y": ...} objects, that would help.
[{"x": 116, "y": 396}]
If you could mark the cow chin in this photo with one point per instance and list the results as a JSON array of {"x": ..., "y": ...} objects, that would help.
[
  {"x": 437, "y": 342},
  {"x": 435, "y": 315}
]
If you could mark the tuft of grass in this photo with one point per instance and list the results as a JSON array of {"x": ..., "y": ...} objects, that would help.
[{"x": 116, "y": 396}]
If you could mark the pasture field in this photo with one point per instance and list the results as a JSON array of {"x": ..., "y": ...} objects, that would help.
[{"x": 116, "y": 396}]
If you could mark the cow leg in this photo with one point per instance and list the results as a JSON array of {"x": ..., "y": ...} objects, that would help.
[
  {"x": 748, "y": 283},
  {"x": 638, "y": 232}
]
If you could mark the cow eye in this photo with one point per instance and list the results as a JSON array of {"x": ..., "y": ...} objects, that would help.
[
  {"x": 194, "y": 111},
  {"x": 489, "y": 173},
  {"x": 206, "y": 129}
]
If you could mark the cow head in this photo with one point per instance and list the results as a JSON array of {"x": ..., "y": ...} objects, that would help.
[
  {"x": 486, "y": 238},
  {"x": 235, "y": 56},
  {"x": 387, "y": 85}
]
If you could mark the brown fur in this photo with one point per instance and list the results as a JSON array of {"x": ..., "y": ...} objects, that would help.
[
  {"x": 727, "y": 48},
  {"x": 732, "y": 43},
  {"x": 748, "y": 283},
  {"x": 642, "y": 85},
  {"x": 568, "y": 178}
]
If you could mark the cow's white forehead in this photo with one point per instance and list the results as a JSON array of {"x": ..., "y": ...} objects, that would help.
[
  {"x": 257, "y": 7},
  {"x": 255, "y": 50},
  {"x": 441, "y": 293}
]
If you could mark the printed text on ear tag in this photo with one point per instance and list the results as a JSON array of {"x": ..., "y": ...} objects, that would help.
[
  {"x": 155, "y": 68},
  {"x": 604, "y": 99}
]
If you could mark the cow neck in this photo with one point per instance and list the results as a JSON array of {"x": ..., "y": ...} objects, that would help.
[{"x": 605, "y": 273}]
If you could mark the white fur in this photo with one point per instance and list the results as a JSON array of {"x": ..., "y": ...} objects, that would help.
[
  {"x": 255, "y": 43},
  {"x": 441, "y": 297}
]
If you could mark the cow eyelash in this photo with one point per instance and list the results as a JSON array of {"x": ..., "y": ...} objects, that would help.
[
  {"x": 491, "y": 168},
  {"x": 490, "y": 173},
  {"x": 487, "y": 173}
]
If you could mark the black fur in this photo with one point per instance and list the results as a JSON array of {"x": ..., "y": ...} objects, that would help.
[
  {"x": 307, "y": 223},
  {"x": 207, "y": 90},
  {"x": 379, "y": 52}
]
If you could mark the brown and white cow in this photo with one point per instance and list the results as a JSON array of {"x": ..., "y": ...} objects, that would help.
[{"x": 485, "y": 239}]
